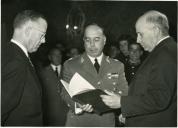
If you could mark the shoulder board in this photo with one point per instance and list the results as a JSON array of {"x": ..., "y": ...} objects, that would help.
[
  {"x": 69, "y": 59},
  {"x": 115, "y": 59}
]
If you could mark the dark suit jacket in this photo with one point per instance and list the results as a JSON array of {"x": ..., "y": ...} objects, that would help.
[
  {"x": 53, "y": 107},
  {"x": 152, "y": 99},
  {"x": 101, "y": 80},
  {"x": 20, "y": 90}
]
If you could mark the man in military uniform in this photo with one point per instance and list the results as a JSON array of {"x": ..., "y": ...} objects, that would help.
[{"x": 99, "y": 70}]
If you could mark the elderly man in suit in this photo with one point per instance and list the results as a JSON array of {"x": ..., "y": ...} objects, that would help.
[
  {"x": 54, "y": 109},
  {"x": 20, "y": 90},
  {"x": 101, "y": 71},
  {"x": 152, "y": 98}
]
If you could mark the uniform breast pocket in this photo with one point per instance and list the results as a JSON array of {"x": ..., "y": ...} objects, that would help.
[{"x": 111, "y": 81}]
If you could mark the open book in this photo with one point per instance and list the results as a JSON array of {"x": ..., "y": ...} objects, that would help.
[{"x": 80, "y": 90}]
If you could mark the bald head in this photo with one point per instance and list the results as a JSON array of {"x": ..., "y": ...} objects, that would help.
[
  {"x": 151, "y": 27},
  {"x": 93, "y": 28},
  {"x": 156, "y": 19}
]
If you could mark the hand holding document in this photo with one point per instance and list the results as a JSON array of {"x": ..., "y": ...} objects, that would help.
[{"x": 80, "y": 90}]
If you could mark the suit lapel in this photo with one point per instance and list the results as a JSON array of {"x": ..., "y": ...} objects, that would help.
[{"x": 21, "y": 55}]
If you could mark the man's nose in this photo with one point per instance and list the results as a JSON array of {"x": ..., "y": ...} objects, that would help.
[
  {"x": 43, "y": 40},
  {"x": 92, "y": 43},
  {"x": 138, "y": 39}
]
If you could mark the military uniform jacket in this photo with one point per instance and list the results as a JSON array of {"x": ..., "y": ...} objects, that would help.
[{"x": 111, "y": 76}]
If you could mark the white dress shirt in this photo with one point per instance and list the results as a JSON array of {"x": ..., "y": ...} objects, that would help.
[
  {"x": 21, "y": 46},
  {"x": 99, "y": 59},
  {"x": 58, "y": 68}
]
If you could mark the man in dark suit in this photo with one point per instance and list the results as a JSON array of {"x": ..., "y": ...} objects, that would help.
[
  {"x": 20, "y": 89},
  {"x": 152, "y": 98},
  {"x": 109, "y": 75},
  {"x": 54, "y": 109}
]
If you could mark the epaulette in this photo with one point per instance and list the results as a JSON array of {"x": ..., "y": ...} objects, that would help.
[
  {"x": 116, "y": 59},
  {"x": 69, "y": 59}
]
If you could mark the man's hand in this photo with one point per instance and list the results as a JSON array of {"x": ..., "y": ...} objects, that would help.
[
  {"x": 87, "y": 108},
  {"x": 112, "y": 100},
  {"x": 121, "y": 119}
]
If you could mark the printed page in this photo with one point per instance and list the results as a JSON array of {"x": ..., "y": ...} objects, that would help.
[{"x": 79, "y": 84}]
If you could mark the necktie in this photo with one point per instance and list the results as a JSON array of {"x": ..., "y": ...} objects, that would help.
[
  {"x": 30, "y": 62},
  {"x": 96, "y": 64},
  {"x": 56, "y": 71}
]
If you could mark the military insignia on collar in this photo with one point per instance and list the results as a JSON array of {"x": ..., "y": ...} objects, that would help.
[
  {"x": 107, "y": 59},
  {"x": 82, "y": 60},
  {"x": 112, "y": 75}
]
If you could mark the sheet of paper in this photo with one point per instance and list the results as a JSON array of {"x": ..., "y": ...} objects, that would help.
[
  {"x": 77, "y": 84},
  {"x": 66, "y": 86}
]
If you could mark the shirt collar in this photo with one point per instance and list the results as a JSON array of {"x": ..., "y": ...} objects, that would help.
[
  {"x": 163, "y": 39},
  {"x": 54, "y": 66},
  {"x": 99, "y": 58},
  {"x": 21, "y": 46}
]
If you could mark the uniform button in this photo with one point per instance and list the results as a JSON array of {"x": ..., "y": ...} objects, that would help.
[
  {"x": 133, "y": 73},
  {"x": 133, "y": 67},
  {"x": 120, "y": 92},
  {"x": 114, "y": 83},
  {"x": 99, "y": 83}
]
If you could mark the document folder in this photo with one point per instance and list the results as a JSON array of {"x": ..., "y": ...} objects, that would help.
[
  {"x": 93, "y": 98},
  {"x": 81, "y": 91}
]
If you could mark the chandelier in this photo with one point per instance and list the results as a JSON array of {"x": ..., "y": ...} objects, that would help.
[{"x": 75, "y": 22}]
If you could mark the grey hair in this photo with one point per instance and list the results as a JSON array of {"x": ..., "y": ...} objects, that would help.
[
  {"x": 158, "y": 19},
  {"x": 25, "y": 16}
]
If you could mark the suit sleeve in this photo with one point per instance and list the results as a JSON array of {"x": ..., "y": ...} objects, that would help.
[
  {"x": 13, "y": 80},
  {"x": 161, "y": 86},
  {"x": 66, "y": 76}
]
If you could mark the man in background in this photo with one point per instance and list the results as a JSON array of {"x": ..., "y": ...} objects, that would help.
[
  {"x": 53, "y": 107},
  {"x": 134, "y": 61}
]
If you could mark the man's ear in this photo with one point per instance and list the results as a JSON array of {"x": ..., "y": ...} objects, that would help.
[
  {"x": 27, "y": 31},
  {"x": 156, "y": 30},
  {"x": 49, "y": 57},
  {"x": 104, "y": 39}
]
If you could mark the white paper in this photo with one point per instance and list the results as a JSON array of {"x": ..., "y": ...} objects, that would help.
[
  {"x": 66, "y": 86},
  {"x": 77, "y": 84}
]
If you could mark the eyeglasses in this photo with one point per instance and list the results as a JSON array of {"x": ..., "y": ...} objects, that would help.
[{"x": 43, "y": 33}]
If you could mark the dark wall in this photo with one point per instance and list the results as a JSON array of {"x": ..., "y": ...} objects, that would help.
[{"x": 117, "y": 17}]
